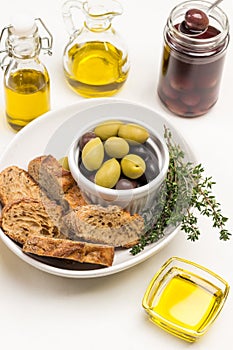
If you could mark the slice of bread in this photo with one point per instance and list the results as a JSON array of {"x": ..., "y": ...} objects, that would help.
[
  {"x": 16, "y": 183},
  {"x": 111, "y": 225},
  {"x": 36, "y": 226},
  {"x": 66, "y": 249},
  {"x": 57, "y": 182},
  {"x": 29, "y": 216},
  {"x": 33, "y": 220}
]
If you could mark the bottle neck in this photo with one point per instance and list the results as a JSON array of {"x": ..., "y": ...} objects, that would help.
[
  {"x": 23, "y": 47},
  {"x": 97, "y": 25}
]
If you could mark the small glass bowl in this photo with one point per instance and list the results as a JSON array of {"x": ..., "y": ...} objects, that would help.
[{"x": 185, "y": 298}]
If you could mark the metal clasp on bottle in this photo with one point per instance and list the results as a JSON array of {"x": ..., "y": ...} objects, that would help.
[
  {"x": 46, "y": 37},
  {"x": 3, "y": 62},
  {"x": 46, "y": 41}
]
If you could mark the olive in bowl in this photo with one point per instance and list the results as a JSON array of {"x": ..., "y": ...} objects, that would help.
[{"x": 124, "y": 162}]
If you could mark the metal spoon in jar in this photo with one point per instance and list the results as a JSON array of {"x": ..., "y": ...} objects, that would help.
[{"x": 213, "y": 5}]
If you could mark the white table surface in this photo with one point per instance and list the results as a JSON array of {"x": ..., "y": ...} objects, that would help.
[{"x": 42, "y": 311}]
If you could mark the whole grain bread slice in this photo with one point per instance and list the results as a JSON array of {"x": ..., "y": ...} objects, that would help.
[
  {"x": 72, "y": 250},
  {"x": 106, "y": 225},
  {"x": 29, "y": 216},
  {"x": 16, "y": 183},
  {"x": 56, "y": 181}
]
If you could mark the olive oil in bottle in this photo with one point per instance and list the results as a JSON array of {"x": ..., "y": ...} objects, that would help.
[
  {"x": 26, "y": 79},
  {"x": 27, "y": 96},
  {"x": 96, "y": 69},
  {"x": 95, "y": 60}
]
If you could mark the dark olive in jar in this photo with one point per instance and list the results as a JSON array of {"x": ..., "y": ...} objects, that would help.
[
  {"x": 192, "y": 64},
  {"x": 196, "y": 20}
]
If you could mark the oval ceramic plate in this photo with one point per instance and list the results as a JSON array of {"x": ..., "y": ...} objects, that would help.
[{"x": 53, "y": 134}]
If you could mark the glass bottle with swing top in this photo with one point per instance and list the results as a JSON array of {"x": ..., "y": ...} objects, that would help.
[{"x": 26, "y": 79}]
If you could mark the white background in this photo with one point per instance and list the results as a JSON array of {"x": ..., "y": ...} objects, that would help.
[{"x": 42, "y": 311}]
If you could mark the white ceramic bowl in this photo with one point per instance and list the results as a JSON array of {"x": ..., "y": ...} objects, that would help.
[{"x": 136, "y": 200}]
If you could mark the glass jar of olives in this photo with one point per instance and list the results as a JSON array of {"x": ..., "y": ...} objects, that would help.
[{"x": 195, "y": 43}]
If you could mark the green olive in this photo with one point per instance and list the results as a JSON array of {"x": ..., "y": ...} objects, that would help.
[
  {"x": 108, "y": 174},
  {"x": 133, "y": 166},
  {"x": 64, "y": 163},
  {"x": 107, "y": 129},
  {"x": 133, "y": 133},
  {"x": 93, "y": 154},
  {"x": 116, "y": 147}
]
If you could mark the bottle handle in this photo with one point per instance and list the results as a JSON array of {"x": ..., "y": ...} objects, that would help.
[{"x": 67, "y": 12}]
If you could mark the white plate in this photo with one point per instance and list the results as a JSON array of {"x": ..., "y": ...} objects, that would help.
[{"x": 52, "y": 134}]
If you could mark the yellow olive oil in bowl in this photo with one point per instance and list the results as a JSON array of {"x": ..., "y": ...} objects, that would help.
[{"x": 184, "y": 298}]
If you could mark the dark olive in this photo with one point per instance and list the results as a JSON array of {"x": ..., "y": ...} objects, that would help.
[
  {"x": 84, "y": 171},
  {"x": 191, "y": 99},
  {"x": 126, "y": 184},
  {"x": 152, "y": 169},
  {"x": 86, "y": 138},
  {"x": 92, "y": 177},
  {"x": 142, "y": 181},
  {"x": 196, "y": 20},
  {"x": 140, "y": 150}
]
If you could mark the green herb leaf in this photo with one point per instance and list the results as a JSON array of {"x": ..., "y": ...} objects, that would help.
[{"x": 185, "y": 190}]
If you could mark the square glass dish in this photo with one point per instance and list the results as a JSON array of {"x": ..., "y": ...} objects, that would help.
[{"x": 185, "y": 298}]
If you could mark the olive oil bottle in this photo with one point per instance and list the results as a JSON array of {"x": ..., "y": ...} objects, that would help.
[
  {"x": 27, "y": 96},
  {"x": 26, "y": 79},
  {"x": 95, "y": 60},
  {"x": 96, "y": 69}
]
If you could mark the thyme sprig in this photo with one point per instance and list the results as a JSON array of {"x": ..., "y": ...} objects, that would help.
[{"x": 185, "y": 191}]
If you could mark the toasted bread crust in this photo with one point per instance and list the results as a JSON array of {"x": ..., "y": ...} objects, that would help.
[
  {"x": 15, "y": 184},
  {"x": 57, "y": 182},
  {"x": 66, "y": 249},
  {"x": 44, "y": 211},
  {"x": 29, "y": 216},
  {"x": 111, "y": 225}
]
